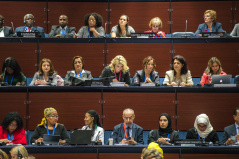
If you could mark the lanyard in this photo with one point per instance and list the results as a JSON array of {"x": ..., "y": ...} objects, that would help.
[
  {"x": 11, "y": 79},
  {"x": 89, "y": 34},
  {"x": 64, "y": 32},
  {"x": 208, "y": 30},
  {"x": 88, "y": 127},
  {"x": 157, "y": 36},
  {"x": 199, "y": 138},
  {"x": 125, "y": 130},
  {"x": 168, "y": 137},
  {"x": 79, "y": 74},
  {"x": 149, "y": 77},
  {"x": 119, "y": 76},
  {"x": 26, "y": 29},
  {"x": 48, "y": 130}
]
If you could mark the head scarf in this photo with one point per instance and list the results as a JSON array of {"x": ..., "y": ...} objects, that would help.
[
  {"x": 154, "y": 145},
  {"x": 203, "y": 118},
  {"x": 169, "y": 127},
  {"x": 47, "y": 112}
]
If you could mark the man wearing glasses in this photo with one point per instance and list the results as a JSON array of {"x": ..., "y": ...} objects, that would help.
[{"x": 128, "y": 132}]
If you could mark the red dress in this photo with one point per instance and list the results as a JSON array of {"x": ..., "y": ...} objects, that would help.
[
  {"x": 158, "y": 36},
  {"x": 207, "y": 79},
  {"x": 19, "y": 136}
]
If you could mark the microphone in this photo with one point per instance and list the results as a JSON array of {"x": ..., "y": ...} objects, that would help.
[
  {"x": 12, "y": 27},
  {"x": 185, "y": 35}
]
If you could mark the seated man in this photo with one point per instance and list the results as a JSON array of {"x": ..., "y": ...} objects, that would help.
[
  {"x": 231, "y": 133},
  {"x": 29, "y": 21},
  {"x": 5, "y": 31},
  {"x": 62, "y": 30},
  {"x": 128, "y": 132}
]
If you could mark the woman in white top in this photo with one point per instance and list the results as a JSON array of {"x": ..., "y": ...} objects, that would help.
[{"x": 92, "y": 123}]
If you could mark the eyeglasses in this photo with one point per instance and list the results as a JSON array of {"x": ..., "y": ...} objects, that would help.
[
  {"x": 130, "y": 118},
  {"x": 54, "y": 117},
  {"x": 155, "y": 26},
  {"x": 206, "y": 16},
  {"x": 13, "y": 125}
]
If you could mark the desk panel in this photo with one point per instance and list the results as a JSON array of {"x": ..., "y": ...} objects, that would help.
[
  {"x": 135, "y": 53},
  {"x": 198, "y": 55},
  {"x": 219, "y": 107},
  {"x": 147, "y": 108},
  {"x": 71, "y": 107},
  {"x": 61, "y": 55}
]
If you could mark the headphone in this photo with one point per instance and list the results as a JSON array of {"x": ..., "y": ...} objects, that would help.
[
  {"x": 27, "y": 15},
  {"x": 19, "y": 156}
]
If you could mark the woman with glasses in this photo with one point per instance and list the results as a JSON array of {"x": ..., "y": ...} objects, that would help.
[
  {"x": 155, "y": 26},
  {"x": 11, "y": 129},
  {"x": 210, "y": 25},
  {"x": 148, "y": 73},
  {"x": 78, "y": 75},
  {"x": 122, "y": 29},
  {"x": 50, "y": 126},
  {"x": 93, "y": 27},
  {"x": 203, "y": 130}
]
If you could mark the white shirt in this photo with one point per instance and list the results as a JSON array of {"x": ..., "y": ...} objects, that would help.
[
  {"x": 237, "y": 128},
  {"x": 98, "y": 134},
  {"x": 2, "y": 32}
]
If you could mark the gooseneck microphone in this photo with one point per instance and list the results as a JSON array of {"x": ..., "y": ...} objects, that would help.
[{"x": 12, "y": 27}]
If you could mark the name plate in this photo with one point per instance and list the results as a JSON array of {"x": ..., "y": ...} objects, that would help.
[
  {"x": 142, "y": 35},
  {"x": 28, "y": 34},
  {"x": 213, "y": 34},
  {"x": 97, "y": 84}
]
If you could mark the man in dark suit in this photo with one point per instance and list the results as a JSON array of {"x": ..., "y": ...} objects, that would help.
[
  {"x": 231, "y": 133},
  {"x": 128, "y": 132},
  {"x": 62, "y": 30},
  {"x": 29, "y": 21},
  {"x": 5, "y": 31}
]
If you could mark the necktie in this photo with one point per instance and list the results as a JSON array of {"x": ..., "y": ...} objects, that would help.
[{"x": 128, "y": 128}]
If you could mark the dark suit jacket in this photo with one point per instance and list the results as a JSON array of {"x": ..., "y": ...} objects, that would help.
[
  {"x": 118, "y": 133},
  {"x": 216, "y": 27},
  {"x": 56, "y": 29},
  {"x": 8, "y": 32},
  {"x": 139, "y": 77},
  {"x": 34, "y": 29},
  {"x": 228, "y": 132},
  {"x": 71, "y": 80}
]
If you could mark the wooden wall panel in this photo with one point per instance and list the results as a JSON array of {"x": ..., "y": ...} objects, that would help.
[
  {"x": 219, "y": 107},
  {"x": 193, "y": 12},
  {"x": 135, "y": 53},
  {"x": 16, "y": 105},
  {"x": 147, "y": 108},
  {"x": 76, "y": 12},
  {"x": 14, "y": 11},
  {"x": 65, "y": 155},
  {"x": 61, "y": 55},
  {"x": 71, "y": 107},
  {"x": 198, "y": 55},
  {"x": 236, "y": 15},
  {"x": 140, "y": 14},
  {"x": 24, "y": 53}
]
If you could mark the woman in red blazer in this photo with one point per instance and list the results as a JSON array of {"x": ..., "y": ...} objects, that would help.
[{"x": 11, "y": 129}]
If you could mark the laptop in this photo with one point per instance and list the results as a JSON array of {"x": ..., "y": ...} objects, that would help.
[
  {"x": 221, "y": 79},
  {"x": 51, "y": 139},
  {"x": 81, "y": 137}
]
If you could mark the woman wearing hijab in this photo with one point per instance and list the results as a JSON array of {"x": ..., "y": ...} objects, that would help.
[
  {"x": 165, "y": 134},
  {"x": 202, "y": 130},
  {"x": 92, "y": 123},
  {"x": 49, "y": 126}
]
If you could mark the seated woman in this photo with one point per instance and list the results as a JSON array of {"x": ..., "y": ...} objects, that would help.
[
  {"x": 214, "y": 67},
  {"x": 148, "y": 74},
  {"x": 179, "y": 75},
  {"x": 20, "y": 151},
  {"x": 11, "y": 129},
  {"x": 46, "y": 74},
  {"x": 155, "y": 25},
  {"x": 202, "y": 130},
  {"x": 165, "y": 134},
  {"x": 235, "y": 31},
  {"x": 122, "y": 29},
  {"x": 93, "y": 27},
  {"x": 49, "y": 126},
  {"x": 210, "y": 25},
  {"x": 117, "y": 68},
  {"x": 78, "y": 75},
  {"x": 92, "y": 123},
  {"x": 3, "y": 155},
  {"x": 11, "y": 73}
]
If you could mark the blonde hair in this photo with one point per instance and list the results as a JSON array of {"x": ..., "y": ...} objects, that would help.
[
  {"x": 3, "y": 154},
  {"x": 209, "y": 66},
  {"x": 212, "y": 13},
  {"x": 119, "y": 59},
  {"x": 21, "y": 150},
  {"x": 156, "y": 20},
  {"x": 151, "y": 154}
]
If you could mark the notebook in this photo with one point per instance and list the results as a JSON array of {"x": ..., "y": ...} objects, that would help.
[
  {"x": 81, "y": 137},
  {"x": 51, "y": 139},
  {"x": 221, "y": 79}
]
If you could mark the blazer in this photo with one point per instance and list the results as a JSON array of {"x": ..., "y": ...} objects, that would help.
[
  {"x": 154, "y": 136},
  {"x": 186, "y": 78},
  {"x": 56, "y": 30},
  {"x": 84, "y": 33},
  {"x": 118, "y": 133},
  {"x": 125, "y": 77},
  {"x": 235, "y": 31},
  {"x": 216, "y": 27},
  {"x": 140, "y": 74},
  {"x": 228, "y": 132},
  {"x": 71, "y": 80},
  {"x": 34, "y": 29},
  {"x": 8, "y": 32},
  {"x": 19, "y": 136},
  {"x": 52, "y": 80},
  {"x": 207, "y": 79}
]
